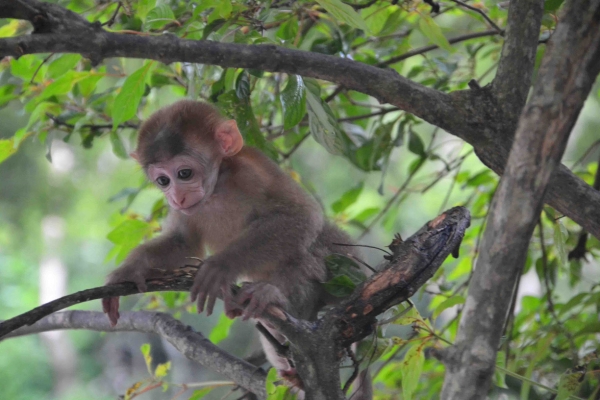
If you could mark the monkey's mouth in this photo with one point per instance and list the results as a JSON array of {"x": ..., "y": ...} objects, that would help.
[{"x": 191, "y": 209}]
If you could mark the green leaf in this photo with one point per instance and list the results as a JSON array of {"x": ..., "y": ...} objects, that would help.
[
  {"x": 369, "y": 351},
  {"x": 224, "y": 8},
  {"x": 212, "y": 27},
  {"x": 127, "y": 101},
  {"x": 62, "y": 85},
  {"x": 7, "y": 93},
  {"x": 129, "y": 235},
  {"x": 117, "y": 146},
  {"x": 481, "y": 178},
  {"x": 293, "y": 101},
  {"x": 560, "y": 241},
  {"x": 198, "y": 394},
  {"x": 162, "y": 370},
  {"x": 288, "y": 29},
  {"x": 552, "y": 5},
  {"x": 145, "y": 349},
  {"x": 143, "y": 7},
  {"x": 158, "y": 17},
  {"x": 500, "y": 375},
  {"x": 87, "y": 85},
  {"x": 7, "y": 149},
  {"x": 221, "y": 330},
  {"x": 242, "y": 85},
  {"x": 10, "y": 29},
  {"x": 568, "y": 384},
  {"x": 321, "y": 121},
  {"x": 373, "y": 152},
  {"x": 194, "y": 31},
  {"x": 62, "y": 65},
  {"x": 341, "y": 265},
  {"x": 241, "y": 110},
  {"x": 366, "y": 214},
  {"x": 415, "y": 144},
  {"x": 347, "y": 199},
  {"x": 275, "y": 391},
  {"x": 450, "y": 302},
  {"x": 129, "y": 231},
  {"x": 23, "y": 67},
  {"x": 340, "y": 286},
  {"x": 433, "y": 32},
  {"x": 345, "y": 13},
  {"x": 411, "y": 369}
]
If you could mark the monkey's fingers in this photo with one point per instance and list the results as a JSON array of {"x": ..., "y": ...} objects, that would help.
[
  {"x": 254, "y": 309},
  {"x": 232, "y": 309},
  {"x": 211, "y": 305}
]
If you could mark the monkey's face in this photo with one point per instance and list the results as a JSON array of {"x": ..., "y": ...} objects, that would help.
[{"x": 186, "y": 181}]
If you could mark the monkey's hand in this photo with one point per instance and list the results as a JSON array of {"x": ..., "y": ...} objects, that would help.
[
  {"x": 214, "y": 278},
  {"x": 126, "y": 273},
  {"x": 253, "y": 298}
]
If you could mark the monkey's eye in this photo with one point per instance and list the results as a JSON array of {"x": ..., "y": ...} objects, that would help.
[
  {"x": 163, "y": 181},
  {"x": 184, "y": 174}
]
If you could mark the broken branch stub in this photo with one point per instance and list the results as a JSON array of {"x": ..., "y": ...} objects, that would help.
[{"x": 414, "y": 261}]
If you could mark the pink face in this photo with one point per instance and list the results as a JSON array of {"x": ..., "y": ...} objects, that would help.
[{"x": 184, "y": 181}]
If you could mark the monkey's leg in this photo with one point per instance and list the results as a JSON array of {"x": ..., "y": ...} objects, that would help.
[{"x": 279, "y": 362}]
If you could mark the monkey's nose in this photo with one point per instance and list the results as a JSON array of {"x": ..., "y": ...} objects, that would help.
[{"x": 180, "y": 202}]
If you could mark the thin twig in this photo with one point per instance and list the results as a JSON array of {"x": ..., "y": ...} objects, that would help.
[
  {"x": 355, "y": 364},
  {"x": 363, "y": 245},
  {"x": 373, "y": 114},
  {"x": 287, "y": 155},
  {"x": 40, "y": 66},
  {"x": 112, "y": 19},
  {"x": 425, "y": 49},
  {"x": 484, "y": 15},
  {"x": 94, "y": 127}
]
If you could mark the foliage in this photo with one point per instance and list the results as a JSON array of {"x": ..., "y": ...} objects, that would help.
[{"x": 393, "y": 159}]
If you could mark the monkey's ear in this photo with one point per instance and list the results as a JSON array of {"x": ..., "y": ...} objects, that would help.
[
  {"x": 229, "y": 138},
  {"x": 134, "y": 155}
]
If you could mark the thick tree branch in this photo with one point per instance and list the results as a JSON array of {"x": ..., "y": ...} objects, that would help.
[
  {"x": 566, "y": 77},
  {"x": 191, "y": 344},
  {"x": 472, "y": 115},
  {"x": 315, "y": 347},
  {"x": 45, "y": 17},
  {"x": 515, "y": 69}
]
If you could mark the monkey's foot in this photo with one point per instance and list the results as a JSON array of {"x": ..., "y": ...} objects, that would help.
[
  {"x": 256, "y": 297},
  {"x": 292, "y": 378}
]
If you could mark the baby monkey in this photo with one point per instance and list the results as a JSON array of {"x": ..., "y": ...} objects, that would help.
[{"x": 262, "y": 228}]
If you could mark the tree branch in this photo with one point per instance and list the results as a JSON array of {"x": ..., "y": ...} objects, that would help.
[
  {"x": 190, "y": 343},
  {"x": 515, "y": 69},
  {"x": 472, "y": 115},
  {"x": 480, "y": 12},
  {"x": 567, "y": 74},
  {"x": 315, "y": 347},
  {"x": 181, "y": 279}
]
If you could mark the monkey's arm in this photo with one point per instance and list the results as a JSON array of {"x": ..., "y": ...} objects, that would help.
[
  {"x": 152, "y": 260},
  {"x": 262, "y": 251}
]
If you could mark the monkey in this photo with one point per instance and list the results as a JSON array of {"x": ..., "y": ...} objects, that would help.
[{"x": 261, "y": 227}]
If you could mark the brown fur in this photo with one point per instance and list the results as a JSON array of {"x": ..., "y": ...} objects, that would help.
[{"x": 259, "y": 224}]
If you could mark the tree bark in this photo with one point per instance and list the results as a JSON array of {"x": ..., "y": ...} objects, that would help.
[
  {"x": 567, "y": 74},
  {"x": 481, "y": 117}
]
